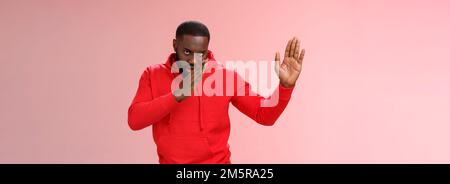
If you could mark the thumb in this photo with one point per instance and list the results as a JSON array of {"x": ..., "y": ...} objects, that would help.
[
  {"x": 277, "y": 63},
  {"x": 277, "y": 56}
]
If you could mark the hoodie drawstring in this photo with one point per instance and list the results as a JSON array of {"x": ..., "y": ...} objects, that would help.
[
  {"x": 200, "y": 114},
  {"x": 200, "y": 109}
]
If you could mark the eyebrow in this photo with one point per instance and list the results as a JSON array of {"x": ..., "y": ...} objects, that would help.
[{"x": 191, "y": 50}]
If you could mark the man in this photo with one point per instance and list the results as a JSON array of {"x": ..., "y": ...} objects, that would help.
[{"x": 190, "y": 128}]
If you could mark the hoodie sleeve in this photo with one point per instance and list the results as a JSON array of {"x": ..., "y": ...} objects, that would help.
[
  {"x": 251, "y": 105},
  {"x": 145, "y": 109}
]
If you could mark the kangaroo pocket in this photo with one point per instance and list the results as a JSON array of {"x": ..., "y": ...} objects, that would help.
[{"x": 184, "y": 149}]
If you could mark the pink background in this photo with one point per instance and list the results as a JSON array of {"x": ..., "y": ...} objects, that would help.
[{"x": 375, "y": 86}]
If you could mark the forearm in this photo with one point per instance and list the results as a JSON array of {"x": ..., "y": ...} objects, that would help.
[
  {"x": 145, "y": 113},
  {"x": 264, "y": 111},
  {"x": 268, "y": 114}
]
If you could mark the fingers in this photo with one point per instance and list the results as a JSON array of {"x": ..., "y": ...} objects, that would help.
[
  {"x": 296, "y": 48},
  {"x": 197, "y": 76},
  {"x": 302, "y": 55},
  {"x": 288, "y": 49},
  {"x": 193, "y": 76},
  {"x": 292, "y": 47}
]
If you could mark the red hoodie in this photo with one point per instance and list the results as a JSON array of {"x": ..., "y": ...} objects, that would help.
[{"x": 195, "y": 130}]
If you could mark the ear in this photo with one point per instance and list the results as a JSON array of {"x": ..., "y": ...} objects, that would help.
[{"x": 174, "y": 44}]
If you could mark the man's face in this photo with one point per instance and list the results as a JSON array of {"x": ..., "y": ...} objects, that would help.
[{"x": 187, "y": 45}]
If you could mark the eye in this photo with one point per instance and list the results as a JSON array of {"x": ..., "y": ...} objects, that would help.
[{"x": 187, "y": 52}]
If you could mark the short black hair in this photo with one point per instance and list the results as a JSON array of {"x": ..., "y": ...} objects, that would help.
[{"x": 193, "y": 28}]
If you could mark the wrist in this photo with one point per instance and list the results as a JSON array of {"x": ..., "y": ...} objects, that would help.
[
  {"x": 178, "y": 94},
  {"x": 284, "y": 85}
]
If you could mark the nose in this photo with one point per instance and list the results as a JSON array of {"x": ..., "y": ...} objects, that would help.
[{"x": 197, "y": 57}]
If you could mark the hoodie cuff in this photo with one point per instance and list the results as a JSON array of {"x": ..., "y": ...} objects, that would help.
[
  {"x": 285, "y": 93},
  {"x": 169, "y": 101}
]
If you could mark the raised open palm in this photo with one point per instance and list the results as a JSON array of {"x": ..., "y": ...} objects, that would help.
[{"x": 289, "y": 70}]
